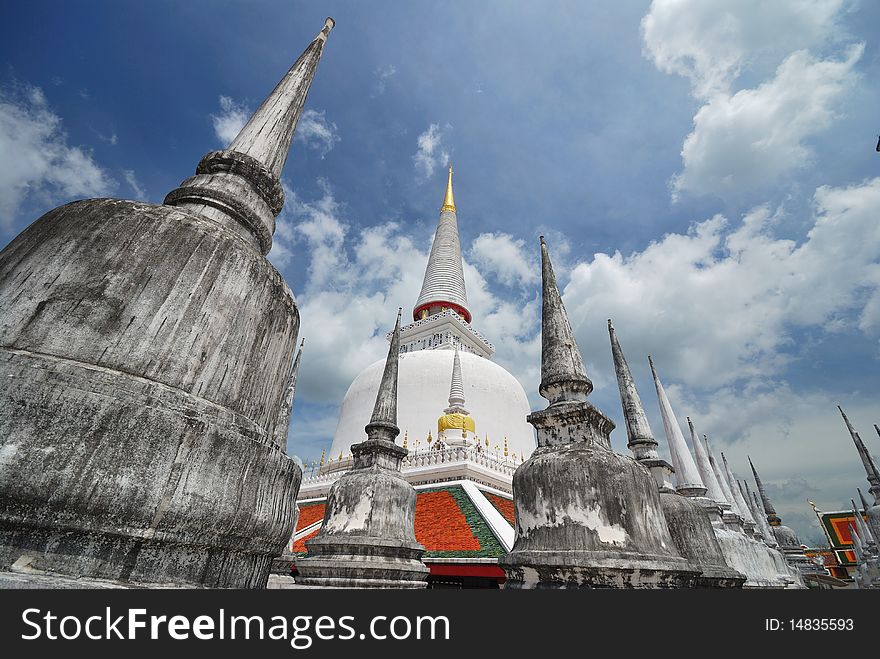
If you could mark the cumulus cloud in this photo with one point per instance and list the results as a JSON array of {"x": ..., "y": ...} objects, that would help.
[
  {"x": 232, "y": 118},
  {"x": 711, "y": 43},
  {"x": 506, "y": 258},
  {"x": 45, "y": 165},
  {"x": 431, "y": 152},
  {"x": 316, "y": 132},
  {"x": 747, "y": 140},
  {"x": 720, "y": 303},
  {"x": 753, "y": 138}
]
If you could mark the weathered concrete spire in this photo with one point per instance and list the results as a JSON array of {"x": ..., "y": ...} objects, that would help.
[
  {"x": 769, "y": 510},
  {"x": 720, "y": 477},
  {"x": 858, "y": 549},
  {"x": 456, "y": 388},
  {"x": 865, "y": 533},
  {"x": 563, "y": 375},
  {"x": 867, "y": 460},
  {"x": 757, "y": 508},
  {"x": 713, "y": 488},
  {"x": 383, "y": 423},
  {"x": 368, "y": 536},
  {"x": 640, "y": 439},
  {"x": 687, "y": 477},
  {"x": 585, "y": 516},
  {"x": 738, "y": 498},
  {"x": 267, "y": 135},
  {"x": 283, "y": 424},
  {"x": 443, "y": 286},
  {"x": 862, "y": 499},
  {"x": 240, "y": 187}
]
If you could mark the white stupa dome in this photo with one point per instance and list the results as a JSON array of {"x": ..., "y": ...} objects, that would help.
[{"x": 495, "y": 399}]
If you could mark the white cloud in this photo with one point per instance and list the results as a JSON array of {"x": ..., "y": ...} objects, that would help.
[
  {"x": 383, "y": 73},
  {"x": 505, "y": 257},
  {"x": 232, "y": 118},
  {"x": 752, "y": 139},
  {"x": 747, "y": 140},
  {"x": 719, "y": 304},
  {"x": 710, "y": 43},
  {"x": 139, "y": 192},
  {"x": 44, "y": 165},
  {"x": 316, "y": 132},
  {"x": 431, "y": 152}
]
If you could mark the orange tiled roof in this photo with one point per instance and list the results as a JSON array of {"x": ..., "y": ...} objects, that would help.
[
  {"x": 299, "y": 546},
  {"x": 447, "y": 523},
  {"x": 503, "y": 506},
  {"x": 440, "y": 524},
  {"x": 309, "y": 513}
]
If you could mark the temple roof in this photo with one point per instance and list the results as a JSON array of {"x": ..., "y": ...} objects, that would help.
[{"x": 449, "y": 522}]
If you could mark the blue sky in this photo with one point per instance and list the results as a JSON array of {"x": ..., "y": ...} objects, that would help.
[{"x": 705, "y": 174}]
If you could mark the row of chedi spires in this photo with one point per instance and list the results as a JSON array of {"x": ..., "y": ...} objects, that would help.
[
  {"x": 148, "y": 371},
  {"x": 585, "y": 515}
]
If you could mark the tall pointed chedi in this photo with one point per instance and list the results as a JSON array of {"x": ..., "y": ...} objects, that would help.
[
  {"x": 144, "y": 355},
  {"x": 767, "y": 505},
  {"x": 585, "y": 516},
  {"x": 704, "y": 466},
  {"x": 687, "y": 476},
  {"x": 240, "y": 187},
  {"x": 729, "y": 505},
  {"x": 443, "y": 286},
  {"x": 872, "y": 472},
  {"x": 456, "y": 426},
  {"x": 764, "y": 567},
  {"x": 368, "y": 537},
  {"x": 689, "y": 522},
  {"x": 640, "y": 439}
]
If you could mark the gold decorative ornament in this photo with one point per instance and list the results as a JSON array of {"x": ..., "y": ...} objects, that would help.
[{"x": 448, "y": 200}]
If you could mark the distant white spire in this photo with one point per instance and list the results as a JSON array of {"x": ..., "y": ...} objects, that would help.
[
  {"x": 738, "y": 498},
  {"x": 719, "y": 476},
  {"x": 864, "y": 531},
  {"x": 713, "y": 488},
  {"x": 456, "y": 388},
  {"x": 687, "y": 477},
  {"x": 640, "y": 439},
  {"x": 858, "y": 549}
]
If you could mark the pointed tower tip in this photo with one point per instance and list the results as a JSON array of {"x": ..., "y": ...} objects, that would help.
[
  {"x": 541, "y": 238},
  {"x": 563, "y": 374},
  {"x": 329, "y": 24},
  {"x": 448, "y": 199},
  {"x": 610, "y": 326}
]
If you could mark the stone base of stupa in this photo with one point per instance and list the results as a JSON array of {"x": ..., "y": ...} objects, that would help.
[
  {"x": 692, "y": 531},
  {"x": 363, "y": 562},
  {"x": 587, "y": 517}
]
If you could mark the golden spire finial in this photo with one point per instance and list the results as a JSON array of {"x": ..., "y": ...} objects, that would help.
[
  {"x": 322, "y": 457},
  {"x": 448, "y": 200}
]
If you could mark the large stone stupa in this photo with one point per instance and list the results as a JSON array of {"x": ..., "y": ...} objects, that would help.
[
  {"x": 586, "y": 517},
  {"x": 145, "y": 354}
]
